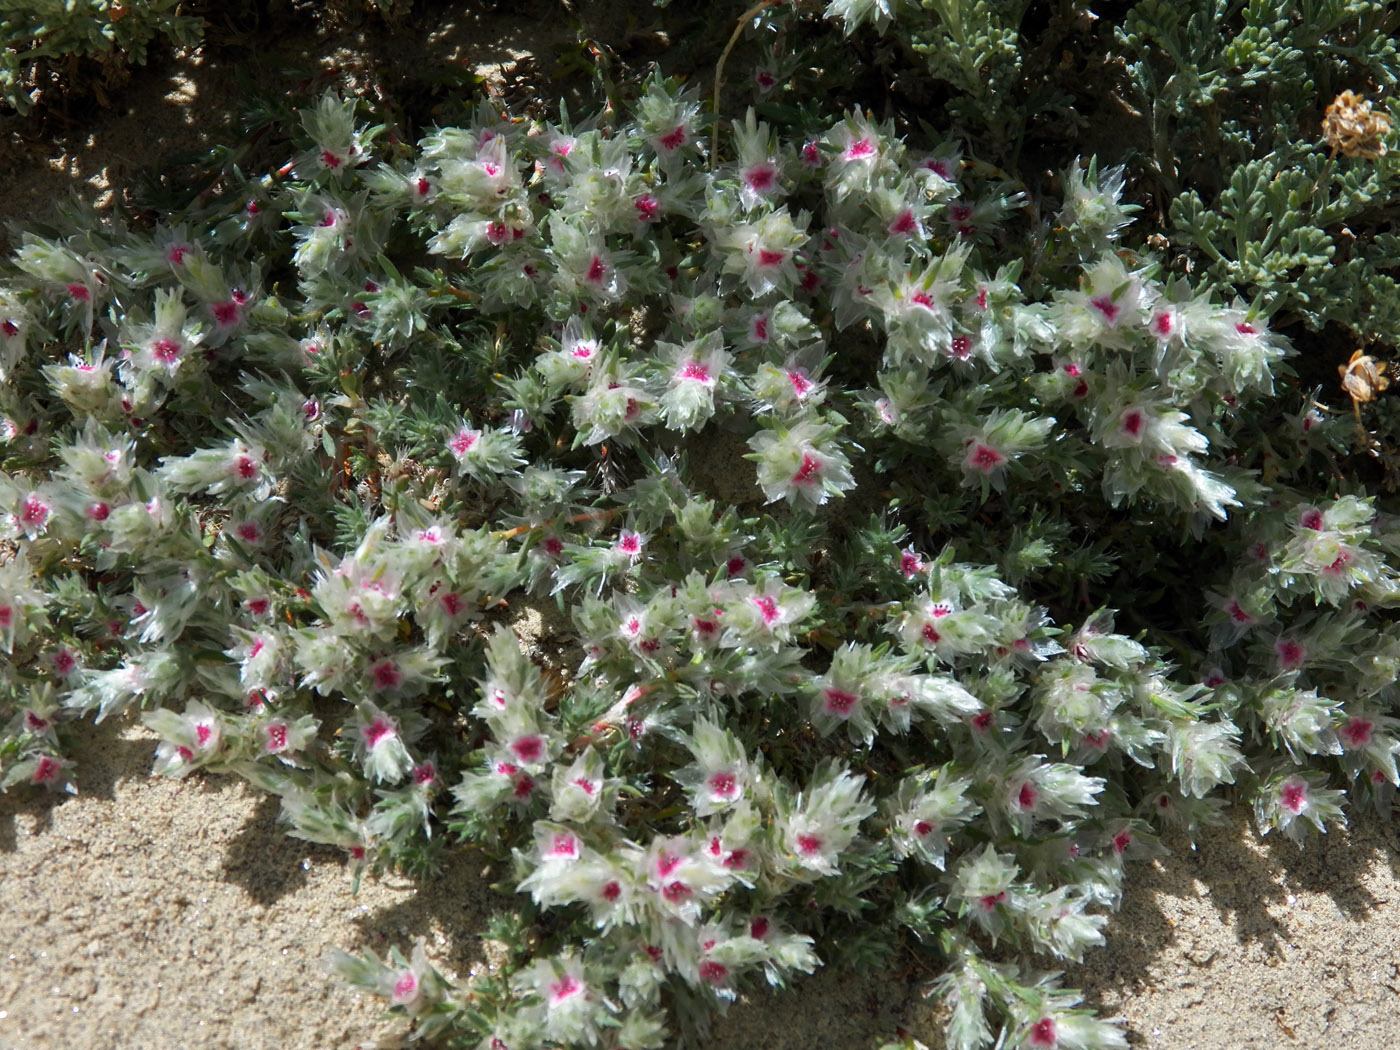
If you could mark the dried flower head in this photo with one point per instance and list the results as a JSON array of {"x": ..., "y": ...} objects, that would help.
[
  {"x": 1351, "y": 127},
  {"x": 1363, "y": 377}
]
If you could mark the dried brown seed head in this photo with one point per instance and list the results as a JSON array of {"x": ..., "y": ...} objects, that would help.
[
  {"x": 1363, "y": 377},
  {"x": 1352, "y": 129}
]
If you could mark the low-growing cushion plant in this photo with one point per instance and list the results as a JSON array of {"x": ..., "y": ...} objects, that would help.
[{"x": 921, "y": 550}]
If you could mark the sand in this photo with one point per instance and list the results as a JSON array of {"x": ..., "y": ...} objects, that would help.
[{"x": 175, "y": 915}]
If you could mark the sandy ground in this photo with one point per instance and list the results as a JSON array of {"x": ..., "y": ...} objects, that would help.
[{"x": 176, "y": 916}]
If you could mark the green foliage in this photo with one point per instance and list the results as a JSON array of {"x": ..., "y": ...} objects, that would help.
[{"x": 38, "y": 36}]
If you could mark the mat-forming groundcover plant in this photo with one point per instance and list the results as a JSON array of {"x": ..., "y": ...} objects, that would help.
[{"x": 920, "y": 549}]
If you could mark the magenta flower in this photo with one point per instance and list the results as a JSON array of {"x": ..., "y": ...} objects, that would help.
[{"x": 983, "y": 458}]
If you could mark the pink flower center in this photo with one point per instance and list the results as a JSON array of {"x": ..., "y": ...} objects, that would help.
[
  {"x": 99, "y": 511},
  {"x": 47, "y": 770},
  {"x": 905, "y": 224},
  {"x": 1357, "y": 732},
  {"x": 245, "y": 467},
  {"x": 809, "y": 845},
  {"x": 667, "y": 862},
  {"x": 808, "y": 470},
  {"x": 713, "y": 972},
  {"x": 612, "y": 891},
  {"x": 1311, "y": 519},
  {"x": 1133, "y": 423},
  {"x": 226, "y": 314},
  {"x": 463, "y": 441},
  {"x": 677, "y": 891},
  {"x": 760, "y": 177},
  {"x": 767, "y": 608},
  {"x": 1027, "y": 796},
  {"x": 723, "y": 785},
  {"x": 34, "y": 511},
  {"x": 647, "y": 206},
  {"x": 528, "y": 748},
  {"x": 386, "y": 675},
  {"x": 1294, "y": 796},
  {"x": 738, "y": 858},
  {"x": 597, "y": 270},
  {"x": 985, "y": 458},
  {"x": 166, "y": 351},
  {"x": 839, "y": 702},
  {"x": 379, "y": 730},
  {"x": 768, "y": 257},
  {"x": 991, "y": 900},
  {"x": 1043, "y": 1034},
  {"x": 1291, "y": 654},
  {"x": 859, "y": 148},
  {"x": 1163, "y": 324},
  {"x": 276, "y": 737},
  {"x": 697, "y": 371},
  {"x": 1122, "y": 841},
  {"x": 1106, "y": 306},
  {"x": 562, "y": 989},
  {"x": 800, "y": 383},
  {"x": 674, "y": 139}
]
